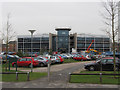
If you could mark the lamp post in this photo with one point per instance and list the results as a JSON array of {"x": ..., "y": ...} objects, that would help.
[
  {"x": 40, "y": 44},
  {"x": 31, "y": 31}
]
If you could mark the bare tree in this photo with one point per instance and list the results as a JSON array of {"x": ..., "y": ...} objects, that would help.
[
  {"x": 7, "y": 34},
  {"x": 110, "y": 19}
]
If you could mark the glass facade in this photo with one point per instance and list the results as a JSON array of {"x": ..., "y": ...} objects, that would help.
[
  {"x": 54, "y": 43},
  {"x": 63, "y": 40},
  {"x": 100, "y": 43},
  {"x": 38, "y": 44}
]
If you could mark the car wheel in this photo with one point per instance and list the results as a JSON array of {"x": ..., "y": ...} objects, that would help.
[
  {"x": 91, "y": 68},
  {"x": 41, "y": 64}
]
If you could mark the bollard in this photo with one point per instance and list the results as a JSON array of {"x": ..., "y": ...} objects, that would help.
[
  {"x": 28, "y": 76},
  {"x": 16, "y": 75},
  {"x": 9, "y": 64},
  {"x": 48, "y": 72},
  {"x": 69, "y": 77},
  {"x": 101, "y": 78}
]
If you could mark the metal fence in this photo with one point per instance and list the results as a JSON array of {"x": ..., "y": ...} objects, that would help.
[
  {"x": 100, "y": 74},
  {"x": 27, "y": 73}
]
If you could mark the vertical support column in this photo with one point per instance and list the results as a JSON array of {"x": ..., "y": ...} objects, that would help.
[
  {"x": 49, "y": 61},
  {"x": 94, "y": 44},
  {"x": 69, "y": 44},
  {"x": 23, "y": 46},
  {"x": 75, "y": 38},
  {"x": 85, "y": 42},
  {"x": 31, "y": 51},
  {"x": 103, "y": 44},
  {"x": 101, "y": 78},
  {"x": 50, "y": 41},
  {"x": 40, "y": 43},
  {"x": 57, "y": 43},
  {"x": 16, "y": 75},
  {"x": 28, "y": 76}
]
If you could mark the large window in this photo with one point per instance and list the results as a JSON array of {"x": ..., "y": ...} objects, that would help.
[
  {"x": 106, "y": 45},
  {"x": 92, "y": 46},
  {"x": 36, "y": 45},
  {"x": 81, "y": 38},
  {"x": 20, "y": 45},
  {"x": 63, "y": 39},
  {"x": 98, "y": 39},
  {"x": 36, "y": 39},
  {"x": 99, "y": 45},
  {"x": 27, "y": 45},
  {"x": 81, "y": 45},
  {"x": 63, "y": 33},
  {"x": 27, "y": 39},
  {"x": 106, "y": 39},
  {"x": 20, "y": 39}
]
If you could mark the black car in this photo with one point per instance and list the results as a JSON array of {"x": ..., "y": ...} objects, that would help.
[{"x": 106, "y": 63}]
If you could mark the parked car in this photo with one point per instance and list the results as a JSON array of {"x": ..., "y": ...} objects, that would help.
[
  {"x": 88, "y": 57},
  {"x": 61, "y": 59},
  {"x": 26, "y": 61},
  {"x": 64, "y": 56},
  {"x": 105, "y": 63},
  {"x": 42, "y": 61},
  {"x": 81, "y": 57},
  {"x": 56, "y": 58},
  {"x": 53, "y": 59},
  {"x": 1, "y": 60}
]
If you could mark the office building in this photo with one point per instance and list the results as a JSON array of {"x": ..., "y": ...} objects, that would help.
[{"x": 63, "y": 42}]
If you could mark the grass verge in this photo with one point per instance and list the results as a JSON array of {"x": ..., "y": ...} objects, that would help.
[
  {"x": 95, "y": 79},
  {"x": 71, "y": 61},
  {"x": 21, "y": 77}
]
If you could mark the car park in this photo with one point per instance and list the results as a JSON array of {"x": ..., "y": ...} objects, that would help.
[
  {"x": 26, "y": 61},
  {"x": 106, "y": 63}
]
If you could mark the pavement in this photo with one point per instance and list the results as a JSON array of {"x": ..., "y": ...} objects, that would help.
[{"x": 58, "y": 79}]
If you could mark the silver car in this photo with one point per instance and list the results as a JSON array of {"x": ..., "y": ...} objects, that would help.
[{"x": 42, "y": 61}]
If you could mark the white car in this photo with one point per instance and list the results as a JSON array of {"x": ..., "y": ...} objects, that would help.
[{"x": 88, "y": 57}]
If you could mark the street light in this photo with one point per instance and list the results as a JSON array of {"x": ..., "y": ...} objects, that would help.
[{"x": 31, "y": 31}]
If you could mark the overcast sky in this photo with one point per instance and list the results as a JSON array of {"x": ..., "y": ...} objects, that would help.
[{"x": 44, "y": 17}]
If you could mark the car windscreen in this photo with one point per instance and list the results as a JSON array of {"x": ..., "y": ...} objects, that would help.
[{"x": 98, "y": 61}]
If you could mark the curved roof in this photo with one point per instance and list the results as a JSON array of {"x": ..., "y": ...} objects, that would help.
[{"x": 63, "y": 28}]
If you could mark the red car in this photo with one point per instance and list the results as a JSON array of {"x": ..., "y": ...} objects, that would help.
[
  {"x": 61, "y": 59},
  {"x": 26, "y": 61},
  {"x": 80, "y": 58}
]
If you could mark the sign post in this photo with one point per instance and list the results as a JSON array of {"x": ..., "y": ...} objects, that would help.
[{"x": 48, "y": 68}]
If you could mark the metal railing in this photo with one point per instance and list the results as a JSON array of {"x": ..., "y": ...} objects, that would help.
[
  {"x": 100, "y": 74},
  {"x": 28, "y": 74}
]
